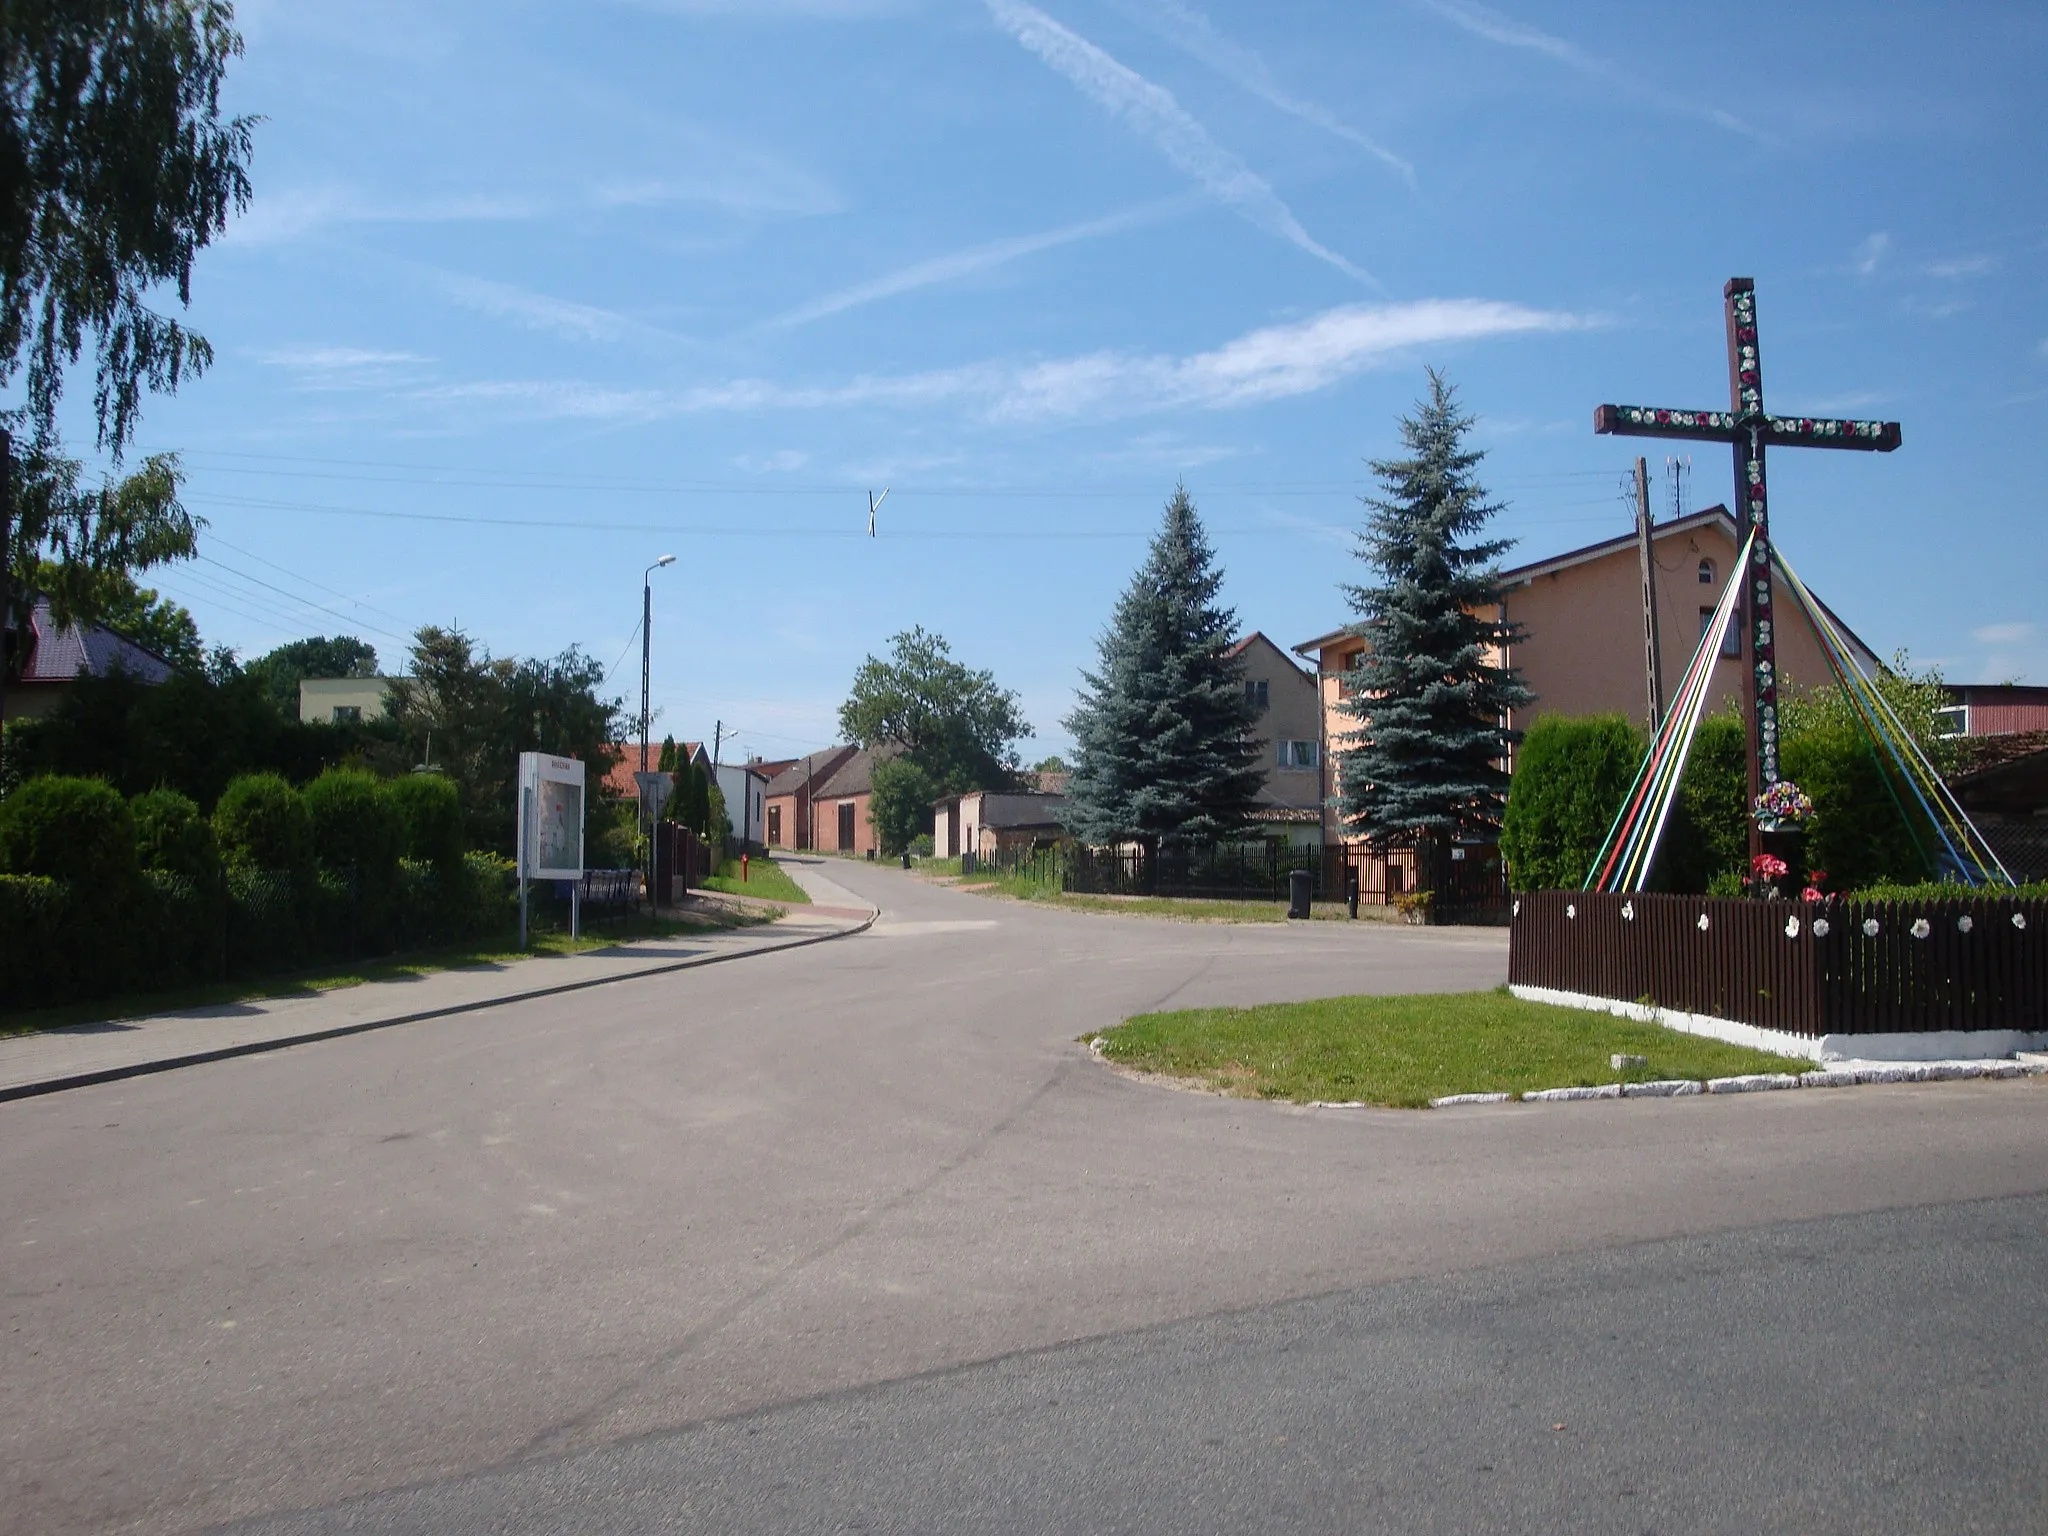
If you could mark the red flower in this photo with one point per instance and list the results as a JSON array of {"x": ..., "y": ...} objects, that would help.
[
  {"x": 1813, "y": 893},
  {"x": 1767, "y": 866}
]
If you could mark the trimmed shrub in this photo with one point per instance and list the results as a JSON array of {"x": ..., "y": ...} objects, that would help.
[
  {"x": 354, "y": 825},
  {"x": 172, "y": 836},
  {"x": 1858, "y": 833},
  {"x": 261, "y": 823},
  {"x": 1708, "y": 834},
  {"x": 69, "y": 829},
  {"x": 1572, "y": 773},
  {"x": 40, "y": 960},
  {"x": 429, "y": 811}
]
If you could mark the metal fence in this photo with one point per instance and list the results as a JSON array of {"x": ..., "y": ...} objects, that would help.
[
  {"x": 1219, "y": 871},
  {"x": 1809, "y": 968}
]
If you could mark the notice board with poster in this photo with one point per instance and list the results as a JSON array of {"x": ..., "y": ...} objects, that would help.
[{"x": 551, "y": 830}]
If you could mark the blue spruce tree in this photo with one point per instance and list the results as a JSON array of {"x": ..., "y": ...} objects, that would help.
[
  {"x": 1430, "y": 698},
  {"x": 1166, "y": 752}
]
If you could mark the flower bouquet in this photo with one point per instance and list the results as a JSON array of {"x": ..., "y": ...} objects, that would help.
[
  {"x": 1783, "y": 807},
  {"x": 1765, "y": 871}
]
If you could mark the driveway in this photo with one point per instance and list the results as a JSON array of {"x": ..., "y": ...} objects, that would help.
[{"x": 879, "y": 1172}]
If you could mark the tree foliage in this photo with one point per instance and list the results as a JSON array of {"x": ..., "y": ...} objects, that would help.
[
  {"x": 954, "y": 721},
  {"x": 1430, "y": 699},
  {"x": 470, "y": 715},
  {"x": 281, "y": 671},
  {"x": 1165, "y": 744},
  {"x": 68, "y": 828},
  {"x": 1572, "y": 774},
  {"x": 900, "y": 803},
  {"x": 116, "y": 167}
]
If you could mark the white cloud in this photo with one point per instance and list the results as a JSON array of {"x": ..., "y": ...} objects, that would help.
[
  {"x": 1962, "y": 266},
  {"x": 2043, "y": 348},
  {"x": 1193, "y": 33},
  {"x": 1485, "y": 22},
  {"x": 538, "y": 311},
  {"x": 1151, "y": 111},
  {"x": 1272, "y": 363},
  {"x": 846, "y": 10},
  {"x": 1871, "y": 252},
  {"x": 297, "y": 212},
  {"x": 980, "y": 258},
  {"x": 2003, "y": 634},
  {"x": 345, "y": 368}
]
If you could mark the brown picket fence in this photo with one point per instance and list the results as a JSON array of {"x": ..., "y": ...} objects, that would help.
[{"x": 1830, "y": 967}]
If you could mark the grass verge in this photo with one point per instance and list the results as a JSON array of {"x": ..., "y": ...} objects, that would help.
[
  {"x": 327, "y": 978},
  {"x": 1182, "y": 909},
  {"x": 1404, "y": 1051},
  {"x": 765, "y": 879}
]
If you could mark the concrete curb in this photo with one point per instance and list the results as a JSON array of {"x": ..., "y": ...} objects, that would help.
[
  {"x": 1755, "y": 1082},
  {"x": 364, "y": 1026}
]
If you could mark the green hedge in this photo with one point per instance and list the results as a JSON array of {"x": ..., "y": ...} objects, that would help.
[
  {"x": 1572, "y": 774},
  {"x": 261, "y": 823},
  {"x": 68, "y": 829},
  {"x": 65, "y": 944}
]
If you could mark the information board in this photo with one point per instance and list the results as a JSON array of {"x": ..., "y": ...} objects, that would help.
[{"x": 551, "y": 830}]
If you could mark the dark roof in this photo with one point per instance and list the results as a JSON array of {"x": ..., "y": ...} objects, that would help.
[
  {"x": 816, "y": 769},
  {"x": 1014, "y": 812},
  {"x": 855, "y": 775},
  {"x": 58, "y": 655}
]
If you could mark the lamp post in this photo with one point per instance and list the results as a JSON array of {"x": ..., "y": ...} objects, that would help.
[
  {"x": 646, "y": 644},
  {"x": 646, "y": 659}
]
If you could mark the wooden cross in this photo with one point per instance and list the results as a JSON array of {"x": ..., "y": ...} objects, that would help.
[{"x": 1750, "y": 428}]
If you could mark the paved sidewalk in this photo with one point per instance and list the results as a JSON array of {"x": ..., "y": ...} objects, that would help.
[{"x": 94, "y": 1053}]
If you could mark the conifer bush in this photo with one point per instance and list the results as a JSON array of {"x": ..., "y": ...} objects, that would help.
[
  {"x": 174, "y": 837},
  {"x": 429, "y": 812}
]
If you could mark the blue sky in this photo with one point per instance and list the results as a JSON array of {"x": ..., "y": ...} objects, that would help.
[{"x": 532, "y": 293}]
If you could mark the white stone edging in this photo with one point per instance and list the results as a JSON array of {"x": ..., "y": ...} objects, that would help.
[{"x": 1935, "y": 1045}]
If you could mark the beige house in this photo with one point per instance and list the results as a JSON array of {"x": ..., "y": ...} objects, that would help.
[
  {"x": 1584, "y": 650},
  {"x": 990, "y": 822},
  {"x": 1290, "y": 730},
  {"x": 334, "y": 699}
]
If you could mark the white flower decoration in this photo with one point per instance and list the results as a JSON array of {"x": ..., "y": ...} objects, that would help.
[
  {"x": 1570, "y": 910},
  {"x": 1820, "y": 927},
  {"x": 1870, "y": 927},
  {"x": 1791, "y": 927},
  {"x": 1518, "y": 907},
  {"x": 2019, "y": 920},
  {"x": 1703, "y": 922},
  {"x": 1628, "y": 911},
  {"x": 1921, "y": 928},
  {"x": 1965, "y": 923}
]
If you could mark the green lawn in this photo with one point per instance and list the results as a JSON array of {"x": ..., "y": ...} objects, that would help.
[
  {"x": 764, "y": 879},
  {"x": 1184, "y": 909},
  {"x": 1405, "y": 1051},
  {"x": 495, "y": 951}
]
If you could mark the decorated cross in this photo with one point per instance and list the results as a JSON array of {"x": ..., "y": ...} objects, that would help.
[{"x": 1750, "y": 429}]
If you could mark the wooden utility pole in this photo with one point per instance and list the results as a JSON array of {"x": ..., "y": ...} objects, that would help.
[
  {"x": 1653, "y": 652},
  {"x": 6, "y": 570}
]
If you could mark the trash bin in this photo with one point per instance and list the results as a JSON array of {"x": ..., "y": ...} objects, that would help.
[
  {"x": 906, "y": 858},
  {"x": 1298, "y": 893},
  {"x": 1351, "y": 891}
]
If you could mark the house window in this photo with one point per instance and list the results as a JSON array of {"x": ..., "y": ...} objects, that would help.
[
  {"x": 846, "y": 826},
  {"x": 1297, "y": 754},
  {"x": 1255, "y": 692},
  {"x": 348, "y": 714},
  {"x": 1731, "y": 637},
  {"x": 775, "y": 825},
  {"x": 1706, "y": 573}
]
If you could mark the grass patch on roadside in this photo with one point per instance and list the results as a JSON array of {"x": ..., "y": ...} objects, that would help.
[
  {"x": 1180, "y": 909},
  {"x": 335, "y": 975},
  {"x": 765, "y": 879},
  {"x": 1404, "y": 1051}
]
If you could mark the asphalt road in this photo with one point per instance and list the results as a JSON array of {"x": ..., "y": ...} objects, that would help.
[{"x": 813, "y": 1241}]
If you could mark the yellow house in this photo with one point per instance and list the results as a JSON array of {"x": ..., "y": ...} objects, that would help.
[{"x": 334, "y": 699}]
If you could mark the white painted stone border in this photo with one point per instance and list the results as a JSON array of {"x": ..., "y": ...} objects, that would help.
[
  {"x": 1851, "y": 1076},
  {"x": 1940, "y": 1045}
]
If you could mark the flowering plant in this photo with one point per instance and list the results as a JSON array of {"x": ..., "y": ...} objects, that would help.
[
  {"x": 1816, "y": 886},
  {"x": 1784, "y": 801},
  {"x": 1765, "y": 871}
]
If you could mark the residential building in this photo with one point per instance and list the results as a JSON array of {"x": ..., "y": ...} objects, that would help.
[
  {"x": 1283, "y": 694},
  {"x": 1584, "y": 650},
  {"x": 787, "y": 815},
  {"x": 745, "y": 789},
  {"x": 992, "y": 822},
  {"x": 59, "y": 654},
  {"x": 1997, "y": 709},
  {"x": 2003, "y": 785},
  {"x": 339, "y": 699},
  {"x": 620, "y": 781}
]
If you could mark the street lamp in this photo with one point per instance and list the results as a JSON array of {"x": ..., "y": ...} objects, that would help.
[{"x": 646, "y": 644}]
